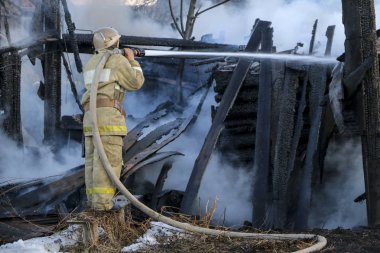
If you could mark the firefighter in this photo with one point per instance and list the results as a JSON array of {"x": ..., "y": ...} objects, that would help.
[{"x": 121, "y": 73}]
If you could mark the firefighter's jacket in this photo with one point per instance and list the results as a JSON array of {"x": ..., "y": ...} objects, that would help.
[{"x": 119, "y": 75}]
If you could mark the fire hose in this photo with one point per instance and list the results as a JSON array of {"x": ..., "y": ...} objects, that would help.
[{"x": 321, "y": 241}]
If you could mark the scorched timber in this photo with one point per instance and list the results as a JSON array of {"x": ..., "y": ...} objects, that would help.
[
  {"x": 244, "y": 96},
  {"x": 224, "y": 77},
  {"x": 360, "y": 29},
  {"x": 262, "y": 154},
  {"x": 86, "y": 47},
  {"x": 284, "y": 143}
]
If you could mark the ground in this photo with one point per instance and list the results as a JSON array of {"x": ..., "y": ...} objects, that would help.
[
  {"x": 147, "y": 236},
  {"x": 339, "y": 240}
]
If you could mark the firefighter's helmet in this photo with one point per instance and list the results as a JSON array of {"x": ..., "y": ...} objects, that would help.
[{"x": 105, "y": 37}]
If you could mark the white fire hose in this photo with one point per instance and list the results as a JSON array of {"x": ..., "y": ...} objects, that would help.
[{"x": 321, "y": 241}]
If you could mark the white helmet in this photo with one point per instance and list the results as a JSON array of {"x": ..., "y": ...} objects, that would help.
[{"x": 105, "y": 37}]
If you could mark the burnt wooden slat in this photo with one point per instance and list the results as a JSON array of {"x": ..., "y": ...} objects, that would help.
[
  {"x": 286, "y": 124},
  {"x": 262, "y": 152},
  {"x": 72, "y": 35},
  {"x": 160, "y": 183},
  {"x": 317, "y": 79},
  {"x": 85, "y": 43},
  {"x": 330, "y": 38},
  {"x": 52, "y": 70},
  {"x": 151, "y": 138},
  {"x": 10, "y": 105}
]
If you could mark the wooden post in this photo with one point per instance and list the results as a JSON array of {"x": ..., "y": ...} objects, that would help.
[
  {"x": 283, "y": 145},
  {"x": 313, "y": 33},
  {"x": 73, "y": 38},
  {"x": 86, "y": 47},
  {"x": 317, "y": 79},
  {"x": 360, "y": 28},
  {"x": 10, "y": 111},
  {"x": 228, "y": 100},
  {"x": 52, "y": 70},
  {"x": 263, "y": 131},
  {"x": 330, "y": 37},
  {"x": 160, "y": 183}
]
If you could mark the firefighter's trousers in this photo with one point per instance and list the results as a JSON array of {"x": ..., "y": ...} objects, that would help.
[{"x": 99, "y": 188}]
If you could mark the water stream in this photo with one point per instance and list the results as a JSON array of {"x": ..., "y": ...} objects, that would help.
[{"x": 307, "y": 59}]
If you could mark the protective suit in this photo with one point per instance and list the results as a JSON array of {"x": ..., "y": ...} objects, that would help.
[{"x": 119, "y": 75}]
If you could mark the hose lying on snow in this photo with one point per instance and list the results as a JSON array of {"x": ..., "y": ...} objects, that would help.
[{"x": 321, "y": 241}]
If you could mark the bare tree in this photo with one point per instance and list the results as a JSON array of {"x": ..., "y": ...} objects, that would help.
[{"x": 186, "y": 31}]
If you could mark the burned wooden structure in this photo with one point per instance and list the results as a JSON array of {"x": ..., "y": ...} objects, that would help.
[
  {"x": 275, "y": 127},
  {"x": 286, "y": 139}
]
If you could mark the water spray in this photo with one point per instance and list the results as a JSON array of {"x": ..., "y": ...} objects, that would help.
[
  {"x": 320, "y": 240},
  {"x": 306, "y": 59}
]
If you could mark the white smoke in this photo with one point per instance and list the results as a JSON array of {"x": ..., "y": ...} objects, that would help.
[
  {"x": 34, "y": 160},
  {"x": 93, "y": 14},
  {"x": 333, "y": 203}
]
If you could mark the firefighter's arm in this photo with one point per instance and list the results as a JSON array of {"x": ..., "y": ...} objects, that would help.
[{"x": 129, "y": 74}]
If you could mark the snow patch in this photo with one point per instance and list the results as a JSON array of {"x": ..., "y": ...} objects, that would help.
[
  {"x": 54, "y": 243},
  {"x": 157, "y": 230}
]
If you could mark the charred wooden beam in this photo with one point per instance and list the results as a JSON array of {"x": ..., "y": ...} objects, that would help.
[
  {"x": 294, "y": 166},
  {"x": 217, "y": 125},
  {"x": 313, "y": 33},
  {"x": 152, "y": 159},
  {"x": 359, "y": 23},
  {"x": 229, "y": 141},
  {"x": 151, "y": 118},
  {"x": 73, "y": 37},
  {"x": 317, "y": 79},
  {"x": 151, "y": 138},
  {"x": 86, "y": 47},
  {"x": 10, "y": 100},
  {"x": 224, "y": 77},
  {"x": 330, "y": 37},
  {"x": 37, "y": 28},
  {"x": 72, "y": 83},
  {"x": 285, "y": 129},
  {"x": 262, "y": 154},
  {"x": 160, "y": 183},
  {"x": 52, "y": 70}
]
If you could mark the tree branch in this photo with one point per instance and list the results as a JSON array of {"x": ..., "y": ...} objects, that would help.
[
  {"x": 212, "y": 7},
  {"x": 181, "y": 18},
  {"x": 174, "y": 20}
]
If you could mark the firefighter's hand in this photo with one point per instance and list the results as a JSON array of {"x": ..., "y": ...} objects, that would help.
[{"x": 129, "y": 54}]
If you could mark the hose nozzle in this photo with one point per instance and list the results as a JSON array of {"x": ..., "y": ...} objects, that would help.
[{"x": 138, "y": 52}]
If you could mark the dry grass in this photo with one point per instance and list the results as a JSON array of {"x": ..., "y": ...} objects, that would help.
[
  {"x": 115, "y": 234},
  {"x": 207, "y": 244}
]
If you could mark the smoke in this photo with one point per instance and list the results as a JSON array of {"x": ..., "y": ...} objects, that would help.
[
  {"x": 228, "y": 186},
  {"x": 93, "y": 14},
  {"x": 34, "y": 160},
  {"x": 292, "y": 22},
  {"x": 333, "y": 203}
]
